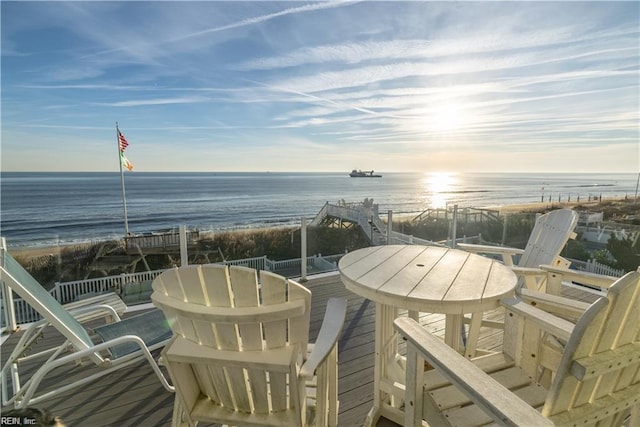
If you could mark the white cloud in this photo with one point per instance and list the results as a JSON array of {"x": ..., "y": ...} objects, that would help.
[{"x": 236, "y": 76}]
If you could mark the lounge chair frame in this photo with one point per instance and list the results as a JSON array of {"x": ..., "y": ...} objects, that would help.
[{"x": 125, "y": 341}]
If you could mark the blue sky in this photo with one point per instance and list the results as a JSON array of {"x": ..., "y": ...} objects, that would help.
[{"x": 321, "y": 86}]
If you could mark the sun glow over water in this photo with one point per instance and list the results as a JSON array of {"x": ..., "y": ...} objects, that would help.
[{"x": 438, "y": 186}]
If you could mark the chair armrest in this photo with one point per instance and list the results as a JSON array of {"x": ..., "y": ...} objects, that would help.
[
  {"x": 528, "y": 271},
  {"x": 556, "y": 326},
  {"x": 489, "y": 395},
  {"x": 110, "y": 298},
  {"x": 506, "y": 252},
  {"x": 560, "y": 306},
  {"x": 327, "y": 337},
  {"x": 535, "y": 278},
  {"x": 470, "y": 247},
  {"x": 85, "y": 314},
  {"x": 585, "y": 278},
  {"x": 106, "y": 305}
]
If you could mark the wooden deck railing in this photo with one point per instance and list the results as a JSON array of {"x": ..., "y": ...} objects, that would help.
[
  {"x": 69, "y": 291},
  {"x": 163, "y": 240},
  {"x": 122, "y": 284}
]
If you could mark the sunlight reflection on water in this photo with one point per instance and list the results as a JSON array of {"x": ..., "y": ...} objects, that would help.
[{"x": 439, "y": 185}]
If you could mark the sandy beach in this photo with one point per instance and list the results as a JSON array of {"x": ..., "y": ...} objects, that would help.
[
  {"x": 40, "y": 251},
  {"x": 538, "y": 206}
]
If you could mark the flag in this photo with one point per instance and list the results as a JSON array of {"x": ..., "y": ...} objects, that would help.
[
  {"x": 125, "y": 162},
  {"x": 122, "y": 142}
]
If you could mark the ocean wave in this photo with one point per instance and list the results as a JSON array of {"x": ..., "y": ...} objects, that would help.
[{"x": 590, "y": 185}]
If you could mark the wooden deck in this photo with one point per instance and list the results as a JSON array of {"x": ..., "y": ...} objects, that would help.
[{"x": 134, "y": 396}]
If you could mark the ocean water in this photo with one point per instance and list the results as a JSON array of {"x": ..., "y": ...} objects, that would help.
[{"x": 49, "y": 208}]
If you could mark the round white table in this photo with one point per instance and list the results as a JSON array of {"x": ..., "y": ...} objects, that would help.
[{"x": 422, "y": 279}]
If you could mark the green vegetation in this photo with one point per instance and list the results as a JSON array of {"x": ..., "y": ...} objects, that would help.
[
  {"x": 111, "y": 258},
  {"x": 575, "y": 250},
  {"x": 620, "y": 254}
]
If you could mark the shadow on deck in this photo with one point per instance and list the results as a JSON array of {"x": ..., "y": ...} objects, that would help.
[{"x": 135, "y": 397}]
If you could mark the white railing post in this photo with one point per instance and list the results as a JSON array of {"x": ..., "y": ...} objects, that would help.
[
  {"x": 7, "y": 294},
  {"x": 9, "y": 308},
  {"x": 303, "y": 250},
  {"x": 123, "y": 279},
  {"x": 57, "y": 292},
  {"x": 389, "y": 226},
  {"x": 184, "y": 257},
  {"x": 504, "y": 229},
  {"x": 454, "y": 226}
]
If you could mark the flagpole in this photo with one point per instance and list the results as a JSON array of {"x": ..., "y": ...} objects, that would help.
[{"x": 124, "y": 199}]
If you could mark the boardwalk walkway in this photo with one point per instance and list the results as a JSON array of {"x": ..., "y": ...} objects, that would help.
[{"x": 366, "y": 216}]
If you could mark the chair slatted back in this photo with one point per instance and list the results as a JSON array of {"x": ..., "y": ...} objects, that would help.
[
  {"x": 226, "y": 308},
  {"x": 549, "y": 235},
  {"x": 600, "y": 366},
  {"x": 28, "y": 288}
]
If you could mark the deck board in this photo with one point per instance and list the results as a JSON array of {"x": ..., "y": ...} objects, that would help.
[{"x": 133, "y": 396}]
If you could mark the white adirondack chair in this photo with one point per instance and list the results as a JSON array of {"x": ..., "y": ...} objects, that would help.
[
  {"x": 239, "y": 355},
  {"x": 547, "y": 239},
  {"x": 596, "y": 378}
]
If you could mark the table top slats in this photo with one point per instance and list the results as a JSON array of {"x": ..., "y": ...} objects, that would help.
[
  {"x": 434, "y": 287},
  {"x": 471, "y": 282},
  {"x": 427, "y": 278},
  {"x": 498, "y": 282},
  {"x": 396, "y": 272}
]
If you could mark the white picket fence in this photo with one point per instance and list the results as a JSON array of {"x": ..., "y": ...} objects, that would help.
[
  {"x": 70, "y": 291},
  {"x": 67, "y": 292},
  {"x": 592, "y": 266}
]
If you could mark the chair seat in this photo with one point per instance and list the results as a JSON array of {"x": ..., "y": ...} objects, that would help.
[
  {"x": 151, "y": 327},
  {"x": 206, "y": 410},
  {"x": 459, "y": 410}
]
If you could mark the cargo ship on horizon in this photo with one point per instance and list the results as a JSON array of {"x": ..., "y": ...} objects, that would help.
[{"x": 357, "y": 173}]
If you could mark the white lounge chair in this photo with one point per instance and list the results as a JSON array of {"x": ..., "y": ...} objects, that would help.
[
  {"x": 596, "y": 377},
  {"x": 124, "y": 342},
  {"x": 240, "y": 352}
]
